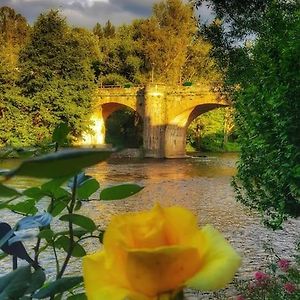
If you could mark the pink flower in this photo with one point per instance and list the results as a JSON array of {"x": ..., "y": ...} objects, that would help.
[
  {"x": 283, "y": 264},
  {"x": 290, "y": 287},
  {"x": 252, "y": 285},
  {"x": 261, "y": 276},
  {"x": 240, "y": 297}
]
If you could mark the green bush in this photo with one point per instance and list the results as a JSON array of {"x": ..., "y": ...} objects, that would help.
[{"x": 268, "y": 119}]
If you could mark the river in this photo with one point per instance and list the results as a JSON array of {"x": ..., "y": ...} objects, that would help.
[{"x": 201, "y": 184}]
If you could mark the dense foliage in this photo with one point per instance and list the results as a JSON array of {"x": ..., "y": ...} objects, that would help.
[
  {"x": 53, "y": 82},
  {"x": 263, "y": 78},
  {"x": 48, "y": 73},
  {"x": 124, "y": 128},
  {"x": 213, "y": 131}
]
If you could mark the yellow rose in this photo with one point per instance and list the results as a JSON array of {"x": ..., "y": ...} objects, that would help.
[{"x": 150, "y": 255}]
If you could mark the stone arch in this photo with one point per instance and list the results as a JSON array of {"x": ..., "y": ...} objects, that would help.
[
  {"x": 126, "y": 130},
  {"x": 110, "y": 107},
  {"x": 102, "y": 111},
  {"x": 175, "y": 135}
]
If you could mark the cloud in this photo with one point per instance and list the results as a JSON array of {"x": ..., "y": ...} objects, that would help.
[{"x": 85, "y": 13}]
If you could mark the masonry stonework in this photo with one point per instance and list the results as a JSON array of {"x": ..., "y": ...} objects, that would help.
[{"x": 166, "y": 111}]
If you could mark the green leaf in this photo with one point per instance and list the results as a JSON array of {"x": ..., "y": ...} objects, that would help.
[
  {"x": 101, "y": 236},
  {"x": 78, "y": 251},
  {"x": 25, "y": 207},
  {"x": 78, "y": 205},
  {"x": 58, "y": 286},
  {"x": 34, "y": 193},
  {"x": 81, "y": 296},
  {"x": 59, "y": 164},
  {"x": 57, "y": 208},
  {"x": 50, "y": 186},
  {"x": 120, "y": 191},
  {"x": 60, "y": 134},
  {"x": 63, "y": 242},
  {"x": 61, "y": 194},
  {"x": 7, "y": 192},
  {"x": 3, "y": 255},
  {"x": 46, "y": 234},
  {"x": 15, "y": 284},
  {"x": 87, "y": 188},
  {"x": 37, "y": 280},
  {"x": 80, "y": 220}
]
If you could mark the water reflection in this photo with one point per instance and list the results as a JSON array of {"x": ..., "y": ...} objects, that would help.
[{"x": 155, "y": 170}]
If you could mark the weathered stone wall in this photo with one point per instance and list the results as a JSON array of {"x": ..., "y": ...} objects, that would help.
[{"x": 166, "y": 112}]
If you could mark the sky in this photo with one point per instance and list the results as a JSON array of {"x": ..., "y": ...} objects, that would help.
[{"x": 86, "y": 13}]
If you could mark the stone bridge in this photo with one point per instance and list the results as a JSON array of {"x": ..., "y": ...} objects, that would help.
[{"x": 166, "y": 112}]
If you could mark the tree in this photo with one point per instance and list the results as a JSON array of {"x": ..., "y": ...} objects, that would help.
[
  {"x": 120, "y": 60},
  {"x": 166, "y": 36},
  {"x": 13, "y": 26},
  {"x": 98, "y": 31},
  {"x": 56, "y": 74},
  {"x": 14, "y": 32},
  {"x": 109, "y": 30},
  {"x": 15, "y": 120},
  {"x": 263, "y": 76}
]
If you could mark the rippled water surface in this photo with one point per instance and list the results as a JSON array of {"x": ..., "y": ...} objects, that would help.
[{"x": 201, "y": 184}]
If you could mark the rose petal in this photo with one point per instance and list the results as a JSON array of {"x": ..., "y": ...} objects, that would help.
[
  {"x": 219, "y": 262},
  {"x": 99, "y": 284},
  {"x": 135, "y": 230},
  {"x": 180, "y": 224},
  {"x": 156, "y": 271}
]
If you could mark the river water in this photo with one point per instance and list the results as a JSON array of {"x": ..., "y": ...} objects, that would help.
[{"x": 201, "y": 184}]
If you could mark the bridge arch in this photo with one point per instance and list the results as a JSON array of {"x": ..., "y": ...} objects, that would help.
[
  {"x": 175, "y": 134},
  {"x": 166, "y": 112},
  {"x": 123, "y": 125}
]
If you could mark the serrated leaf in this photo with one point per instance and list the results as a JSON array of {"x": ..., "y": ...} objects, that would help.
[
  {"x": 87, "y": 188},
  {"x": 7, "y": 192},
  {"x": 58, "y": 286},
  {"x": 59, "y": 164},
  {"x": 80, "y": 220},
  {"x": 120, "y": 191}
]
